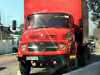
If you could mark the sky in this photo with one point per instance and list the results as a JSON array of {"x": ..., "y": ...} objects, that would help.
[{"x": 12, "y": 9}]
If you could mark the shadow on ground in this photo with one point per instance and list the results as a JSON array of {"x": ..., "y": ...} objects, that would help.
[
  {"x": 95, "y": 58},
  {"x": 2, "y": 68},
  {"x": 52, "y": 71}
]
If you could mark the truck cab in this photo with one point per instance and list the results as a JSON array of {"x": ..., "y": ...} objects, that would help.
[{"x": 48, "y": 40}]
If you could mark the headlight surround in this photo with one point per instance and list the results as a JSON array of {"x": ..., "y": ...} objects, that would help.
[
  {"x": 33, "y": 47},
  {"x": 62, "y": 46},
  {"x": 69, "y": 36},
  {"x": 23, "y": 47}
]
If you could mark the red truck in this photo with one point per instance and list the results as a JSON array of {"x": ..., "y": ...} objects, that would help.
[{"x": 55, "y": 34}]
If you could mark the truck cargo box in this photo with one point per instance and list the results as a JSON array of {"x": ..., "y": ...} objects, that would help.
[{"x": 72, "y": 7}]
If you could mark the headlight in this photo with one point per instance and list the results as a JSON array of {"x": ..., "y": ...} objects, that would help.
[
  {"x": 62, "y": 46},
  {"x": 69, "y": 36},
  {"x": 23, "y": 47},
  {"x": 33, "y": 47}
]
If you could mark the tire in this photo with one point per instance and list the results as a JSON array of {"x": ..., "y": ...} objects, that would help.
[
  {"x": 80, "y": 56},
  {"x": 74, "y": 64},
  {"x": 64, "y": 68},
  {"x": 87, "y": 55},
  {"x": 84, "y": 56},
  {"x": 24, "y": 68}
]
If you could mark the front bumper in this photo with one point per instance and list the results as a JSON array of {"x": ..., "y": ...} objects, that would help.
[{"x": 45, "y": 61}]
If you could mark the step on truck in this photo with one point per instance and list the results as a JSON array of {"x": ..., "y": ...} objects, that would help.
[{"x": 55, "y": 35}]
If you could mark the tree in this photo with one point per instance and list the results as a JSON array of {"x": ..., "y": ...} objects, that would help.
[{"x": 94, "y": 6}]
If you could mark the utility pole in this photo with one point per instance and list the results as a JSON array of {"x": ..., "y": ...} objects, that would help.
[
  {"x": 0, "y": 18},
  {"x": 1, "y": 28}
]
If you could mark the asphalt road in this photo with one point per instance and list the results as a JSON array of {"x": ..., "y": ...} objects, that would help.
[
  {"x": 92, "y": 69},
  {"x": 9, "y": 65}
]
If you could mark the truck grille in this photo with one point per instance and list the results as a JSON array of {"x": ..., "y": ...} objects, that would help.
[{"x": 43, "y": 46}]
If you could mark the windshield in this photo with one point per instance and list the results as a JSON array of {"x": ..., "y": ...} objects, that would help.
[{"x": 50, "y": 20}]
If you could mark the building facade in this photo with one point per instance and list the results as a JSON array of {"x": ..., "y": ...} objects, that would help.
[{"x": 6, "y": 40}]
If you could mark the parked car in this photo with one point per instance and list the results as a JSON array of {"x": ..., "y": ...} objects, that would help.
[{"x": 91, "y": 45}]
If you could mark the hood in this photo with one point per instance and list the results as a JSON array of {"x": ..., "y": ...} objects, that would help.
[{"x": 45, "y": 34}]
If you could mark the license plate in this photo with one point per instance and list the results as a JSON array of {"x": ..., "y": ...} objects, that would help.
[{"x": 32, "y": 58}]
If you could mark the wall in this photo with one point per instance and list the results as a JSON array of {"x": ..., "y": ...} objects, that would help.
[{"x": 6, "y": 46}]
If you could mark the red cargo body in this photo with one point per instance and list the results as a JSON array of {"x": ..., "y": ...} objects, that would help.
[{"x": 73, "y": 7}]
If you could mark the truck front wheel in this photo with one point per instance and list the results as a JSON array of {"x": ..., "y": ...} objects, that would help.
[
  {"x": 84, "y": 56},
  {"x": 24, "y": 68}
]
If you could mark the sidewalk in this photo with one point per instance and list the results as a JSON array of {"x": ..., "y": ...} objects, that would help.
[{"x": 7, "y": 58}]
